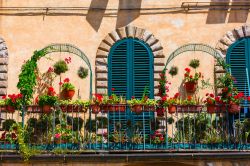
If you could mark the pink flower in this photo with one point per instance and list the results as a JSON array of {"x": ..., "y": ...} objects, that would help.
[
  {"x": 50, "y": 69},
  {"x": 57, "y": 136}
]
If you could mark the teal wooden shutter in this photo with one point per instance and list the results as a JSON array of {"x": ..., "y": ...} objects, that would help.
[
  {"x": 130, "y": 70},
  {"x": 237, "y": 57}
]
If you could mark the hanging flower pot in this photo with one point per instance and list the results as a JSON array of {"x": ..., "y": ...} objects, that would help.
[
  {"x": 234, "y": 108},
  {"x": 68, "y": 94},
  {"x": 172, "y": 109},
  {"x": 95, "y": 108},
  {"x": 10, "y": 109},
  {"x": 190, "y": 86},
  {"x": 211, "y": 109},
  {"x": 47, "y": 109},
  {"x": 120, "y": 108},
  {"x": 138, "y": 108}
]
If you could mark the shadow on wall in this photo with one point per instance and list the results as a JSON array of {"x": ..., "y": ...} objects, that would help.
[
  {"x": 238, "y": 16},
  {"x": 124, "y": 17},
  {"x": 219, "y": 16}
]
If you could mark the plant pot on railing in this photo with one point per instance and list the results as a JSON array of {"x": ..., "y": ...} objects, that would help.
[
  {"x": 137, "y": 108},
  {"x": 172, "y": 109},
  {"x": 95, "y": 108},
  {"x": 104, "y": 108},
  {"x": 10, "y": 109},
  {"x": 68, "y": 94},
  {"x": 120, "y": 108},
  {"x": 234, "y": 108},
  {"x": 190, "y": 87},
  {"x": 211, "y": 109},
  {"x": 111, "y": 108},
  {"x": 46, "y": 109}
]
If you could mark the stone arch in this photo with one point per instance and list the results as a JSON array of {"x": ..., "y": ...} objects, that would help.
[
  {"x": 3, "y": 67},
  {"x": 101, "y": 62},
  {"x": 230, "y": 37}
]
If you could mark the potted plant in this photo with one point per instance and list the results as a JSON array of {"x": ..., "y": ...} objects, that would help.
[
  {"x": 136, "y": 105},
  {"x": 95, "y": 103},
  {"x": 172, "y": 102},
  {"x": 220, "y": 104},
  {"x": 68, "y": 89},
  {"x": 188, "y": 104},
  {"x": 234, "y": 101},
  {"x": 13, "y": 102},
  {"x": 48, "y": 100},
  {"x": 210, "y": 103},
  {"x": 194, "y": 63},
  {"x": 157, "y": 138},
  {"x": 121, "y": 106},
  {"x": 173, "y": 71},
  {"x": 60, "y": 67},
  {"x": 150, "y": 105},
  {"x": 191, "y": 81}
]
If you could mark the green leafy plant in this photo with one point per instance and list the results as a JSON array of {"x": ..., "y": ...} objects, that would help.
[
  {"x": 82, "y": 72},
  {"x": 28, "y": 75},
  {"x": 173, "y": 71},
  {"x": 170, "y": 120},
  {"x": 8, "y": 123},
  {"x": 134, "y": 101},
  {"x": 194, "y": 63},
  {"x": 66, "y": 85},
  {"x": 60, "y": 67},
  {"x": 47, "y": 100},
  {"x": 151, "y": 102}
]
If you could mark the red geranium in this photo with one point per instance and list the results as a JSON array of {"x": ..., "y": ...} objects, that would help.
[{"x": 66, "y": 80}]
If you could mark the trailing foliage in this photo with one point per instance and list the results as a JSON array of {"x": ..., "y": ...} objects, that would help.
[
  {"x": 173, "y": 71},
  {"x": 194, "y": 63},
  {"x": 60, "y": 67},
  {"x": 27, "y": 77}
]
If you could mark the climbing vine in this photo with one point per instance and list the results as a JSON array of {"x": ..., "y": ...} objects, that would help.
[{"x": 27, "y": 77}]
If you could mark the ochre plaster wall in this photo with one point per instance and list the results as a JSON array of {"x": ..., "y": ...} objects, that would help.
[{"x": 86, "y": 29}]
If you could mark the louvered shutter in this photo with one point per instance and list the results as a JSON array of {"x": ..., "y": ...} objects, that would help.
[
  {"x": 142, "y": 77},
  {"x": 237, "y": 57},
  {"x": 118, "y": 79}
]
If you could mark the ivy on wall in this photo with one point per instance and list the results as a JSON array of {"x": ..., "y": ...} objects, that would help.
[{"x": 27, "y": 77}]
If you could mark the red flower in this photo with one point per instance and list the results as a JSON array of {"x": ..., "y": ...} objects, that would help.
[
  {"x": 164, "y": 98},
  {"x": 60, "y": 83},
  {"x": 50, "y": 69},
  {"x": 189, "y": 98},
  {"x": 66, "y": 80},
  {"x": 50, "y": 89},
  {"x": 19, "y": 95},
  {"x": 177, "y": 95},
  {"x": 133, "y": 97},
  {"x": 186, "y": 75},
  {"x": 217, "y": 99},
  {"x": 191, "y": 76},
  {"x": 161, "y": 138},
  {"x": 248, "y": 98},
  {"x": 4, "y": 97},
  {"x": 113, "y": 89},
  {"x": 212, "y": 95},
  {"x": 67, "y": 60},
  {"x": 187, "y": 70},
  {"x": 37, "y": 99},
  {"x": 241, "y": 94},
  {"x": 111, "y": 97}
]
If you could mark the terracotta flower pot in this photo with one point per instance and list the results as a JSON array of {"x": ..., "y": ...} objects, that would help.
[
  {"x": 190, "y": 87},
  {"x": 137, "y": 108},
  {"x": 172, "y": 109},
  {"x": 104, "y": 108},
  {"x": 10, "y": 109},
  {"x": 184, "y": 108},
  {"x": 149, "y": 108},
  {"x": 68, "y": 94},
  {"x": 95, "y": 108},
  {"x": 47, "y": 109},
  {"x": 234, "y": 108},
  {"x": 211, "y": 109},
  {"x": 120, "y": 108}
]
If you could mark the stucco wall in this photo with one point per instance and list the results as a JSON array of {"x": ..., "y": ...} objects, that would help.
[{"x": 85, "y": 29}]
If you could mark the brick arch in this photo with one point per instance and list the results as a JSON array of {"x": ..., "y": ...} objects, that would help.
[
  {"x": 3, "y": 67},
  {"x": 230, "y": 37},
  {"x": 101, "y": 70}
]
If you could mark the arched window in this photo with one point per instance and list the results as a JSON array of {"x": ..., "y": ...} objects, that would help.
[
  {"x": 238, "y": 57},
  {"x": 130, "y": 72}
]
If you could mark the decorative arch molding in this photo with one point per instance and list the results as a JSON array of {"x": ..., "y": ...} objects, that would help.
[
  {"x": 230, "y": 37},
  {"x": 3, "y": 67},
  {"x": 101, "y": 62}
]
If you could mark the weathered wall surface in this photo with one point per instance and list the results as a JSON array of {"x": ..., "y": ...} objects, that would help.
[{"x": 85, "y": 29}]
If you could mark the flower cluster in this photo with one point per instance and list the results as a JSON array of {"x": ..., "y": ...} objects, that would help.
[
  {"x": 157, "y": 138},
  {"x": 13, "y": 100},
  {"x": 68, "y": 60},
  {"x": 188, "y": 77},
  {"x": 50, "y": 70},
  {"x": 173, "y": 100},
  {"x": 51, "y": 91},
  {"x": 210, "y": 99},
  {"x": 97, "y": 99}
]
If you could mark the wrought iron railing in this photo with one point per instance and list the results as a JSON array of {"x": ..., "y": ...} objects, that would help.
[{"x": 73, "y": 127}]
